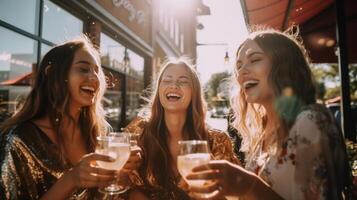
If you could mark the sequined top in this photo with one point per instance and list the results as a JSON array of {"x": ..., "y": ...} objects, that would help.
[
  {"x": 221, "y": 149},
  {"x": 30, "y": 163}
]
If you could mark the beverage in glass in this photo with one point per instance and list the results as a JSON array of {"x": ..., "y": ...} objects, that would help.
[
  {"x": 117, "y": 146},
  {"x": 193, "y": 153}
]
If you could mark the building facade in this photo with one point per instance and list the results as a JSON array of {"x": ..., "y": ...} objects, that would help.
[{"x": 134, "y": 37}]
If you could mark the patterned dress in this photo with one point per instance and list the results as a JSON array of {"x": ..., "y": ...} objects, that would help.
[
  {"x": 220, "y": 146},
  {"x": 312, "y": 162}
]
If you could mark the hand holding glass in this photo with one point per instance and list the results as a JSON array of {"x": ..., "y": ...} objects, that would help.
[
  {"x": 192, "y": 154},
  {"x": 117, "y": 146}
]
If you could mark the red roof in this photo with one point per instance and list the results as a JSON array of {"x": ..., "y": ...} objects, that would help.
[{"x": 23, "y": 80}]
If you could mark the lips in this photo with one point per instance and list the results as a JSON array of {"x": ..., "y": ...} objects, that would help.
[
  {"x": 171, "y": 96},
  {"x": 90, "y": 90},
  {"x": 250, "y": 84}
]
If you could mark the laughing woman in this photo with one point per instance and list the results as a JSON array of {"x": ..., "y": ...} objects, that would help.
[
  {"x": 294, "y": 148},
  {"x": 45, "y": 148},
  {"x": 177, "y": 112}
]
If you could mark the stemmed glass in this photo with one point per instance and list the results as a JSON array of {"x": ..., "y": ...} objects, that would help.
[
  {"x": 193, "y": 153},
  {"x": 117, "y": 146}
]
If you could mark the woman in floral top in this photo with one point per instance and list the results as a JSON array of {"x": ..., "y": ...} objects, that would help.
[
  {"x": 177, "y": 112},
  {"x": 294, "y": 148}
]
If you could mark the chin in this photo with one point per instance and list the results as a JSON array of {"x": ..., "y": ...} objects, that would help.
[{"x": 174, "y": 109}]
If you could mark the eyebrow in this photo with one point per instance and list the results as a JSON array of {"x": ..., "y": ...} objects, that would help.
[
  {"x": 254, "y": 53},
  {"x": 82, "y": 62}
]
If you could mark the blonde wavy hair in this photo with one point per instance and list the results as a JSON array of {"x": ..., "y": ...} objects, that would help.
[
  {"x": 293, "y": 87},
  {"x": 157, "y": 166}
]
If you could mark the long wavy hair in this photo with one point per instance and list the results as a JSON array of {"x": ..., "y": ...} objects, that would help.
[
  {"x": 157, "y": 162},
  {"x": 50, "y": 97},
  {"x": 293, "y": 87}
]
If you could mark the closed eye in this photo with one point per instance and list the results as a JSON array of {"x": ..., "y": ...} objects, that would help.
[
  {"x": 166, "y": 81},
  {"x": 84, "y": 69},
  {"x": 255, "y": 60}
]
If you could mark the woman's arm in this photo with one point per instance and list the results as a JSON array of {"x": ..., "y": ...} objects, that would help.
[{"x": 231, "y": 180}]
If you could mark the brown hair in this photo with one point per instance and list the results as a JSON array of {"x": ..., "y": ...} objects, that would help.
[
  {"x": 292, "y": 83},
  {"x": 156, "y": 164},
  {"x": 49, "y": 97}
]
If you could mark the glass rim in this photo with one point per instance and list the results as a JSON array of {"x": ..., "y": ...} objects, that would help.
[
  {"x": 192, "y": 142},
  {"x": 113, "y": 134}
]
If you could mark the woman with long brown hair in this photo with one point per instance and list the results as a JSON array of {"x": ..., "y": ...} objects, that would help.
[
  {"x": 293, "y": 147},
  {"x": 176, "y": 112},
  {"x": 46, "y": 147}
]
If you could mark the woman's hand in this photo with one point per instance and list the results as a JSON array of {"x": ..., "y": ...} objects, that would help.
[
  {"x": 87, "y": 174},
  {"x": 225, "y": 178},
  {"x": 134, "y": 160}
]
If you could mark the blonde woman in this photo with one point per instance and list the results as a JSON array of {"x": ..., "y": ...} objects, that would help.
[
  {"x": 176, "y": 112},
  {"x": 294, "y": 148}
]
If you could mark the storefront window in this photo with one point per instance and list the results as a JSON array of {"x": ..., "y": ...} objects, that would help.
[
  {"x": 18, "y": 55},
  {"x": 134, "y": 92},
  {"x": 113, "y": 98},
  {"x": 136, "y": 64},
  {"x": 22, "y": 14},
  {"x": 58, "y": 24},
  {"x": 44, "y": 49},
  {"x": 112, "y": 52}
]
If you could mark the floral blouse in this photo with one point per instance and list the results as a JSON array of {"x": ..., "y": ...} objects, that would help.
[
  {"x": 312, "y": 162},
  {"x": 221, "y": 149}
]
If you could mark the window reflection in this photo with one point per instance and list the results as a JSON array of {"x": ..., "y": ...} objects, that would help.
[
  {"x": 136, "y": 64},
  {"x": 26, "y": 16},
  {"x": 112, "y": 52},
  {"x": 44, "y": 49},
  {"x": 18, "y": 56},
  {"x": 122, "y": 61},
  {"x": 112, "y": 100},
  {"x": 58, "y": 24},
  {"x": 134, "y": 91}
]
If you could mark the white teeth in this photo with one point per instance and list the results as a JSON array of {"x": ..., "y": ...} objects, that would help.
[
  {"x": 250, "y": 82},
  {"x": 173, "y": 95},
  {"x": 88, "y": 88}
]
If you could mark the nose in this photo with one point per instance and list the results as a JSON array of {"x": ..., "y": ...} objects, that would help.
[
  {"x": 93, "y": 76},
  {"x": 243, "y": 70},
  {"x": 174, "y": 84}
]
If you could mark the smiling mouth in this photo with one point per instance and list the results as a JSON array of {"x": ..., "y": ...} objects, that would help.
[
  {"x": 173, "y": 97},
  {"x": 88, "y": 90},
  {"x": 250, "y": 84}
]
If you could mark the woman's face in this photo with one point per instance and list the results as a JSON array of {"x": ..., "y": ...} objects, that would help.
[
  {"x": 252, "y": 68},
  {"x": 175, "y": 88},
  {"x": 83, "y": 81}
]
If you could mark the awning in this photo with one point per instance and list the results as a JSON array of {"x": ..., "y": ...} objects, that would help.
[{"x": 316, "y": 19}]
